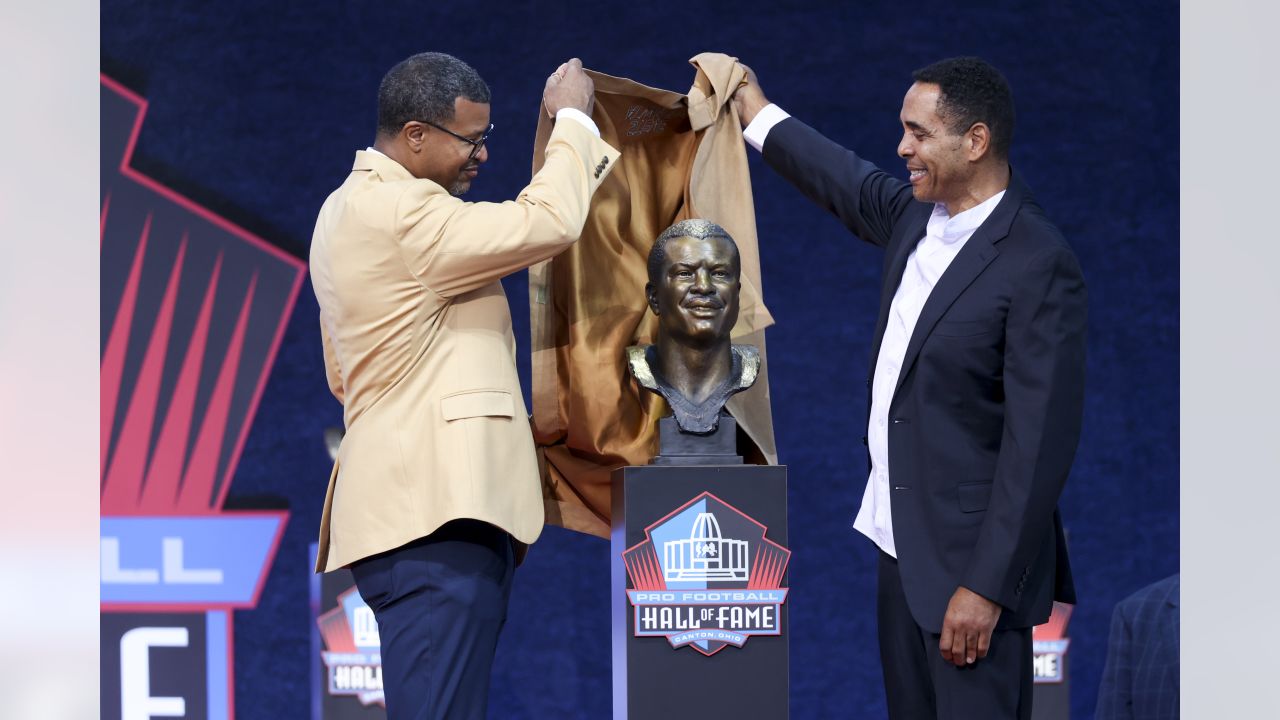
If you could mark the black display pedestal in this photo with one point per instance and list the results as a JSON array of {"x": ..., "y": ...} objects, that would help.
[
  {"x": 1052, "y": 700},
  {"x": 699, "y": 564}
]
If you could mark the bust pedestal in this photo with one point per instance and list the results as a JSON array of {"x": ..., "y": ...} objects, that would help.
[{"x": 699, "y": 583}]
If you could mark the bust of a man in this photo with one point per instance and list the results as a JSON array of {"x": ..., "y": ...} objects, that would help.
[{"x": 694, "y": 279}]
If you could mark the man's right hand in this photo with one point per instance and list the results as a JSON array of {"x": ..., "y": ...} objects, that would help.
[
  {"x": 569, "y": 87},
  {"x": 749, "y": 99}
]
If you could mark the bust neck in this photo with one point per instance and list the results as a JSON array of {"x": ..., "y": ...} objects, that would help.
[{"x": 694, "y": 371}]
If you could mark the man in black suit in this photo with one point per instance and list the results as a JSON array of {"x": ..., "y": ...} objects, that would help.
[{"x": 977, "y": 387}]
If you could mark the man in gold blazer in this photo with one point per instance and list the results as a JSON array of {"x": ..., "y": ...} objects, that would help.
[{"x": 436, "y": 480}]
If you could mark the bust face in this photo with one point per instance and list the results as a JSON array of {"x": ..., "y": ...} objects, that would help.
[{"x": 696, "y": 296}]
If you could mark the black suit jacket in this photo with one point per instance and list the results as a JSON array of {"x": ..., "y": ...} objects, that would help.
[{"x": 986, "y": 414}]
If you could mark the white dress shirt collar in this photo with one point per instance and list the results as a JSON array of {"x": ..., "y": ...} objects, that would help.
[{"x": 949, "y": 229}]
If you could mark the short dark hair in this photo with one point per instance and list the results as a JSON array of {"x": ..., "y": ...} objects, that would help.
[
  {"x": 972, "y": 91},
  {"x": 424, "y": 87},
  {"x": 692, "y": 228}
]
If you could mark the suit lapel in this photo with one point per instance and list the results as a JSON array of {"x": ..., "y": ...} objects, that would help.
[
  {"x": 973, "y": 258},
  {"x": 893, "y": 277}
]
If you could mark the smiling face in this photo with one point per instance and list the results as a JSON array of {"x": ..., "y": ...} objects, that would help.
[
  {"x": 444, "y": 159},
  {"x": 695, "y": 295},
  {"x": 938, "y": 161}
]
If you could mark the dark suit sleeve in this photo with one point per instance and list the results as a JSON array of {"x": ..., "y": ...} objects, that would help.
[
  {"x": 862, "y": 196},
  {"x": 1044, "y": 362},
  {"x": 1115, "y": 699}
]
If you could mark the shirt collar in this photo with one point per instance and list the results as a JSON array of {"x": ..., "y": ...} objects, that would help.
[
  {"x": 949, "y": 229},
  {"x": 384, "y": 166}
]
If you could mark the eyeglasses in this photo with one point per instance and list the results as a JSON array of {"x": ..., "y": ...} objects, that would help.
[{"x": 475, "y": 144}]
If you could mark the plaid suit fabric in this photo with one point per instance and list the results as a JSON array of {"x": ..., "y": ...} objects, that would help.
[{"x": 1140, "y": 679}]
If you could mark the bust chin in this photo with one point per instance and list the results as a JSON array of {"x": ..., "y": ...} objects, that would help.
[{"x": 695, "y": 418}]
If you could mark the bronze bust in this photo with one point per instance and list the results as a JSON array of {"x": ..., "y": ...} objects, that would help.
[{"x": 693, "y": 288}]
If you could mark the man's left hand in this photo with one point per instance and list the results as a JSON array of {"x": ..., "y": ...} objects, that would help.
[
  {"x": 967, "y": 627},
  {"x": 569, "y": 87},
  {"x": 749, "y": 99}
]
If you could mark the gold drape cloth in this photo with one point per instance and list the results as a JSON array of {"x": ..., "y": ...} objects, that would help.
[{"x": 683, "y": 156}]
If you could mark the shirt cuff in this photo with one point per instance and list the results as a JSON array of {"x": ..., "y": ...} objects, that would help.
[
  {"x": 763, "y": 122},
  {"x": 579, "y": 116}
]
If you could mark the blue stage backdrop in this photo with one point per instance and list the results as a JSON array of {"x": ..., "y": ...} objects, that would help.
[{"x": 256, "y": 110}]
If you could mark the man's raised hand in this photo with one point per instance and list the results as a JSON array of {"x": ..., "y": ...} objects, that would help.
[
  {"x": 749, "y": 99},
  {"x": 569, "y": 87}
]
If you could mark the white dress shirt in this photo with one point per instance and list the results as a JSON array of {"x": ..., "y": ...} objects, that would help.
[{"x": 944, "y": 237}]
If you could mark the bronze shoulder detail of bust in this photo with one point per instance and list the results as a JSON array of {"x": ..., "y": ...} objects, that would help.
[{"x": 696, "y": 417}]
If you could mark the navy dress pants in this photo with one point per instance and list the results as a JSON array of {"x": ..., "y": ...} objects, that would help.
[
  {"x": 920, "y": 684},
  {"x": 440, "y": 603}
]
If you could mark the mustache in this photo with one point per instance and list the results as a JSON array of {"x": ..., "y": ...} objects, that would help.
[{"x": 703, "y": 301}]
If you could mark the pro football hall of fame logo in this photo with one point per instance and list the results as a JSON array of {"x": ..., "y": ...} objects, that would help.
[
  {"x": 706, "y": 576},
  {"x": 193, "y": 311},
  {"x": 347, "y": 680}
]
